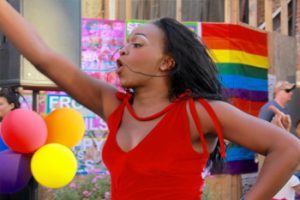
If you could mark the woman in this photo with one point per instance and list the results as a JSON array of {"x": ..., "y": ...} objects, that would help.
[
  {"x": 157, "y": 148},
  {"x": 9, "y": 100}
]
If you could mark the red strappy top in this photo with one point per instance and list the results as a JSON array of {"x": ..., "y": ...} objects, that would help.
[{"x": 164, "y": 165}]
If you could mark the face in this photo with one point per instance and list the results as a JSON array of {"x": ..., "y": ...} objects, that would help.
[
  {"x": 285, "y": 95},
  {"x": 142, "y": 54},
  {"x": 5, "y": 107}
]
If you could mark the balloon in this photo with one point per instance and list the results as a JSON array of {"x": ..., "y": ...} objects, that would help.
[
  {"x": 24, "y": 131},
  {"x": 2, "y": 144},
  {"x": 65, "y": 126},
  {"x": 53, "y": 165},
  {"x": 14, "y": 171}
]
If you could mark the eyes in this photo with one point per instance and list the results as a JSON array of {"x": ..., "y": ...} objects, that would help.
[{"x": 136, "y": 45}]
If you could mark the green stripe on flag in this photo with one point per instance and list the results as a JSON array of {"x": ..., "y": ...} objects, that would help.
[{"x": 243, "y": 70}]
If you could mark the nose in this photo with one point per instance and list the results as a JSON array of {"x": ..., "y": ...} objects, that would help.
[{"x": 123, "y": 50}]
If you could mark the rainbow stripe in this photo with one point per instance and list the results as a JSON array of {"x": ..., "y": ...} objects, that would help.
[{"x": 241, "y": 55}]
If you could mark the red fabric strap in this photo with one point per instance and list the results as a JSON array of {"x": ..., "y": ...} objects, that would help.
[
  {"x": 198, "y": 124},
  {"x": 156, "y": 115},
  {"x": 214, "y": 117}
]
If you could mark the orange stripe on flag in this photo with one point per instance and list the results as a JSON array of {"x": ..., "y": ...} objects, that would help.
[{"x": 235, "y": 44}]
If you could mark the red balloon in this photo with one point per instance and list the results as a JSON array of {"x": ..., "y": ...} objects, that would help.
[{"x": 24, "y": 131}]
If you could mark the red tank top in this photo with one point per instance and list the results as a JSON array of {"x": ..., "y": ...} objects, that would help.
[{"x": 164, "y": 165}]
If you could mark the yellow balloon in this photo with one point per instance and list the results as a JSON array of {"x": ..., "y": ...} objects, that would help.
[
  {"x": 65, "y": 126},
  {"x": 53, "y": 165}
]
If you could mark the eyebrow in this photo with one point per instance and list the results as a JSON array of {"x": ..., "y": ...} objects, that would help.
[
  {"x": 138, "y": 34},
  {"x": 142, "y": 34}
]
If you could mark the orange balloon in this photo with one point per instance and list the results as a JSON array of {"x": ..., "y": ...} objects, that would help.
[{"x": 65, "y": 126}]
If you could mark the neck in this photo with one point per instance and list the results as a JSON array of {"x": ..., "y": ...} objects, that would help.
[
  {"x": 281, "y": 102},
  {"x": 152, "y": 94}
]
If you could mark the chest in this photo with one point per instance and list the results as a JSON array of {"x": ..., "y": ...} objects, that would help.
[{"x": 132, "y": 133}]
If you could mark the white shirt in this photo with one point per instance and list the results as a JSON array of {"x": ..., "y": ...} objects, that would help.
[{"x": 287, "y": 191}]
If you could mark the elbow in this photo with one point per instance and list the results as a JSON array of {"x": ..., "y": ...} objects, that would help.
[{"x": 292, "y": 150}]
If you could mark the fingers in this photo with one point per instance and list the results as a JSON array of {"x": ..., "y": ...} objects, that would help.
[
  {"x": 281, "y": 119},
  {"x": 276, "y": 110},
  {"x": 277, "y": 120}
]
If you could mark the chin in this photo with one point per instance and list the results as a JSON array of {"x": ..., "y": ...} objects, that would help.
[{"x": 127, "y": 83}]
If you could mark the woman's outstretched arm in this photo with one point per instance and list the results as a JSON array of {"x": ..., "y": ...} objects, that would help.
[
  {"x": 94, "y": 94},
  {"x": 282, "y": 149}
]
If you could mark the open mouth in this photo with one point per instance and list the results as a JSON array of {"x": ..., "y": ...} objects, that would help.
[{"x": 119, "y": 63}]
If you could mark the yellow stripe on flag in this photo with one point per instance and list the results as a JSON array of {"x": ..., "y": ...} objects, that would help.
[{"x": 235, "y": 56}]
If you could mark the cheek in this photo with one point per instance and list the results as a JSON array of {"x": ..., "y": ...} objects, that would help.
[
  {"x": 4, "y": 110},
  {"x": 147, "y": 59}
]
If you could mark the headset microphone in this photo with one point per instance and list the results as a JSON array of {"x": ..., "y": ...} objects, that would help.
[{"x": 144, "y": 74}]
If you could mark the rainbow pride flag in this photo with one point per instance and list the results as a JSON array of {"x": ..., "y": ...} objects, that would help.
[{"x": 241, "y": 55}]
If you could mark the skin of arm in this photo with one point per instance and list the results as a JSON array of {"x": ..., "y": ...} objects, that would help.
[
  {"x": 90, "y": 92},
  {"x": 282, "y": 150}
]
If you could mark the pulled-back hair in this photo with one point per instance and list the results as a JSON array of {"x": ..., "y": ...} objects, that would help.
[
  {"x": 11, "y": 95},
  {"x": 194, "y": 70}
]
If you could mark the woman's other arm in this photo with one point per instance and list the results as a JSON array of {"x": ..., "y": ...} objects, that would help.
[{"x": 282, "y": 149}]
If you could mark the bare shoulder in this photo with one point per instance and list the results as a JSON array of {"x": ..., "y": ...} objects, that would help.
[{"x": 219, "y": 108}]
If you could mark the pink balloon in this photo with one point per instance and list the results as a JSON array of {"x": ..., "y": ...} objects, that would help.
[{"x": 24, "y": 131}]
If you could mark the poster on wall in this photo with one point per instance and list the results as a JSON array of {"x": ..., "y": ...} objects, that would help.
[{"x": 101, "y": 39}]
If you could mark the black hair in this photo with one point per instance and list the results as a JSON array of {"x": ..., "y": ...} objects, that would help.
[
  {"x": 298, "y": 122},
  {"x": 194, "y": 70},
  {"x": 11, "y": 95}
]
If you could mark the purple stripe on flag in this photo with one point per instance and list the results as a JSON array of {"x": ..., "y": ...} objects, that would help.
[
  {"x": 246, "y": 94},
  {"x": 240, "y": 167}
]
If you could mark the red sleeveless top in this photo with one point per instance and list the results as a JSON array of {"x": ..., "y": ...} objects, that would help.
[{"x": 164, "y": 165}]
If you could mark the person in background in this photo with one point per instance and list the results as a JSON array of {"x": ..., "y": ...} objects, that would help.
[
  {"x": 283, "y": 93},
  {"x": 10, "y": 100},
  {"x": 163, "y": 130}
]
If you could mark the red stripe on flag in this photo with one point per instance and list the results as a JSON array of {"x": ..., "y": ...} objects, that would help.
[
  {"x": 250, "y": 107},
  {"x": 232, "y": 31}
]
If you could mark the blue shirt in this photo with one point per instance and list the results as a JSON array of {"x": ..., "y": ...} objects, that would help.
[{"x": 267, "y": 114}]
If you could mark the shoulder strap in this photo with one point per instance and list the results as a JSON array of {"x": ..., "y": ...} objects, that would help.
[
  {"x": 123, "y": 95},
  {"x": 198, "y": 124},
  {"x": 214, "y": 117}
]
